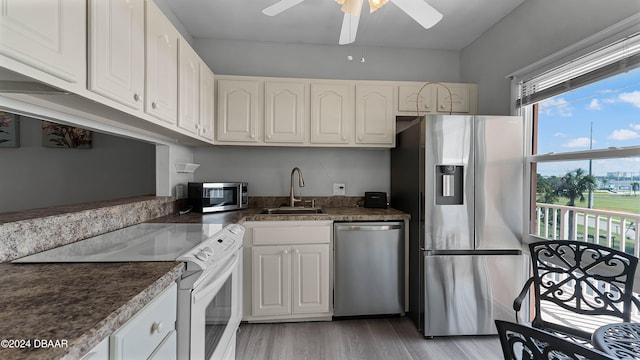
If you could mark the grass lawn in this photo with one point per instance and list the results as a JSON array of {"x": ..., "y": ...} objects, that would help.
[{"x": 605, "y": 200}]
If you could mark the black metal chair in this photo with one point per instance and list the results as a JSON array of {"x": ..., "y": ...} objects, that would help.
[
  {"x": 523, "y": 342},
  {"x": 594, "y": 283}
]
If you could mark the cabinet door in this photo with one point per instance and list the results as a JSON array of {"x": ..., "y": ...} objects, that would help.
[
  {"x": 310, "y": 276},
  {"x": 271, "y": 280},
  {"x": 207, "y": 102},
  {"x": 284, "y": 116},
  {"x": 189, "y": 88},
  {"x": 116, "y": 50},
  {"x": 152, "y": 326},
  {"x": 237, "y": 110},
  {"x": 161, "y": 91},
  {"x": 375, "y": 123},
  {"x": 47, "y": 35},
  {"x": 456, "y": 102},
  {"x": 331, "y": 113},
  {"x": 408, "y": 98}
]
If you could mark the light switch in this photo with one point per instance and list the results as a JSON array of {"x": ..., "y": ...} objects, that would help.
[{"x": 339, "y": 189}]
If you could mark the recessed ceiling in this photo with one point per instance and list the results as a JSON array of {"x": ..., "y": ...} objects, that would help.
[{"x": 319, "y": 22}]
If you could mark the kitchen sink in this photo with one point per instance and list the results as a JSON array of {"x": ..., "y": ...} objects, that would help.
[{"x": 293, "y": 211}]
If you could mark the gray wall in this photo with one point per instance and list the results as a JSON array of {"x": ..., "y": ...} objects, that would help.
[
  {"x": 268, "y": 170},
  {"x": 536, "y": 29},
  {"x": 34, "y": 176},
  {"x": 328, "y": 61}
]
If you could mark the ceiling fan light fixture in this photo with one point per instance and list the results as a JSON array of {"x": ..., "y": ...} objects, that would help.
[
  {"x": 376, "y": 4},
  {"x": 351, "y": 7}
]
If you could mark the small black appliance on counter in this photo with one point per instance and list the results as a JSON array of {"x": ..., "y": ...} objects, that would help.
[{"x": 375, "y": 199}]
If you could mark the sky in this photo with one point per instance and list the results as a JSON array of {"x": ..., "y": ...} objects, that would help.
[{"x": 612, "y": 105}]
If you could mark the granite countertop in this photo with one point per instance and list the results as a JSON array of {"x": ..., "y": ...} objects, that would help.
[
  {"x": 76, "y": 305},
  {"x": 254, "y": 214}
]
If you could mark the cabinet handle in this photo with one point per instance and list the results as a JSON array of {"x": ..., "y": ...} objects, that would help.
[
  {"x": 204, "y": 130},
  {"x": 136, "y": 97},
  {"x": 297, "y": 251},
  {"x": 285, "y": 252},
  {"x": 252, "y": 136},
  {"x": 344, "y": 138},
  {"x": 268, "y": 136},
  {"x": 156, "y": 327},
  {"x": 154, "y": 105},
  {"x": 197, "y": 126},
  {"x": 360, "y": 138}
]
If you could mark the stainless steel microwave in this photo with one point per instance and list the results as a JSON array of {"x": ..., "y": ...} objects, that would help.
[{"x": 207, "y": 197}]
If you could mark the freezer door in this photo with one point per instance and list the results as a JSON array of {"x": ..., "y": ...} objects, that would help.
[
  {"x": 499, "y": 169},
  {"x": 464, "y": 294},
  {"x": 448, "y": 207}
]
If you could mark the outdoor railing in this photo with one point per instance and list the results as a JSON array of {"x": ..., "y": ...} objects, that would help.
[{"x": 614, "y": 229}]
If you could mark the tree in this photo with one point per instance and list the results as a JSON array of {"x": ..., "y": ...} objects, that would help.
[
  {"x": 544, "y": 190},
  {"x": 635, "y": 187},
  {"x": 573, "y": 185}
]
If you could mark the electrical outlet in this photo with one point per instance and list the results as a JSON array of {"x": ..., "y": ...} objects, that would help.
[{"x": 339, "y": 189}]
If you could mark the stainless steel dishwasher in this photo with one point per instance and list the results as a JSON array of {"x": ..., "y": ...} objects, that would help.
[{"x": 368, "y": 268}]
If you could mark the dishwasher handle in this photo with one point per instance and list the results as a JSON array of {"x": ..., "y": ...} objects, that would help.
[{"x": 369, "y": 227}]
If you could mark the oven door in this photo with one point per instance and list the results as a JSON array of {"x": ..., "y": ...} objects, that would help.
[{"x": 215, "y": 315}]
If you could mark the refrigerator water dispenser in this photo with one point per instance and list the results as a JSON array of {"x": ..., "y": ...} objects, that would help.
[{"x": 449, "y": 184}]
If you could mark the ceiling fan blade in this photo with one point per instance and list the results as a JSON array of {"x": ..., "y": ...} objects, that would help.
[
  {"x": 280, "y": 6},
  {"x": 423, "y": 13},
  {"x": 349, "y": 29}
]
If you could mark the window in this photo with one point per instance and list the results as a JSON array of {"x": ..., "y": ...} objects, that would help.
[{"x": 584, "y": 161}]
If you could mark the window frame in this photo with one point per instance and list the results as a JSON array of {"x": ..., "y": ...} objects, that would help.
[{"x": 613, "y": 34}]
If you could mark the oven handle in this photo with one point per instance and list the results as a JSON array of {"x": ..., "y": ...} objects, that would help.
[{"x": 216, "y": 283}]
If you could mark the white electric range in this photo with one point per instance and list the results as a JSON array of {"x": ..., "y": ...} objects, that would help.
[{"x": 209, "y": 292}]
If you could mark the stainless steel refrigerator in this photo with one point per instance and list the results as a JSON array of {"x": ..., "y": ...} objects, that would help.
[{"x": 461, "y": 179}]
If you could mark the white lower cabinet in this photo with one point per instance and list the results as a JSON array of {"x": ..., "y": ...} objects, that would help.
[
  {"x": 290, "y": 271},
  {"x": 150, "y": 333},
  {"x": 99, "y": 352}
]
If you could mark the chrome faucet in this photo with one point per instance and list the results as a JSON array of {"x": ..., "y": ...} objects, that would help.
[{"x": 292, "y": 198}]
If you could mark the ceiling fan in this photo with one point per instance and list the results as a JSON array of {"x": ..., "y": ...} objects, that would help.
[{"x": 423, "y": 13}]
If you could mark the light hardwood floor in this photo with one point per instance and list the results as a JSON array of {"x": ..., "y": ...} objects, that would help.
[{"x": 370, "y": 339}]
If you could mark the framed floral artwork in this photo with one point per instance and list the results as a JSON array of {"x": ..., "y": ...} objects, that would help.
[
  {"x": 65, "y": 136},
  {"x": 9, "y": 129}
]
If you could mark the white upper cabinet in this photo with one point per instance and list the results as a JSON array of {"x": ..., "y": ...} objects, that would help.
[
  {"x": 207, "y": 102},
  {"x": 408, "y": 99},
  {"x": 375, "y": 120},
  {"x": 454, "y": 99},
  {"x": 435, "y": 98},
  {"x": 116, "y": 50},
  {"x": 331, "y": 113},
  {"x": 285, "y": 113},
  {"x": 237, "y": 111},
  {"x": 189, "y": 88},
  {"x": 161, "y": 100},
  {"x": 49, "y": 36}
]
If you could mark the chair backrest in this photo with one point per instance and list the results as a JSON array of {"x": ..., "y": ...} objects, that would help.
[
  {"x": 527, "y": 343},
  {"x": 584, "y": 278}
]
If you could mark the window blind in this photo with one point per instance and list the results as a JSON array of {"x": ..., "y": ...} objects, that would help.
[{"x": 612, "y": 59}]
